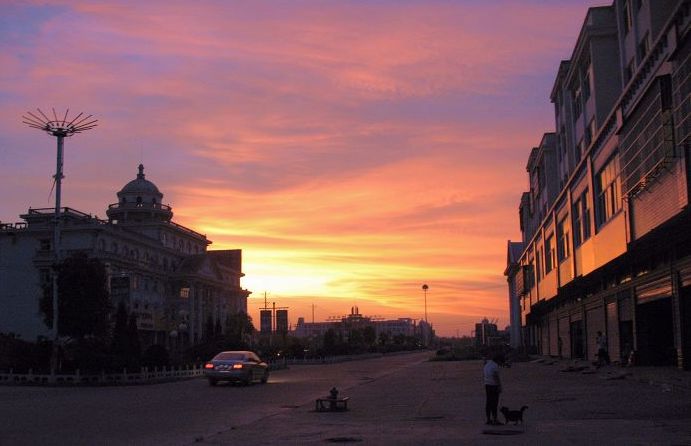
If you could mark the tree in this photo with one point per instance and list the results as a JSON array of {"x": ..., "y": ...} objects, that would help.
[
  {"x": 369, "y": 335},
  {"x": 83, "y": 299},
  {"x": 355, "y": 341},
  {"x": 134, "y": 347},
  {"x": 120, "y": 343},
  {"x": 238, "y": 327},
  {"x": 383, "y": 338},
  {"x": 125, "y": 346},
  {"x": 208, "y": 334},
  {"x": 330, "y": 341}
]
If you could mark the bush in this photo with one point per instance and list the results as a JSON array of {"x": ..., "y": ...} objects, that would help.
[
  {"x": 156, "y": 356},
  {"x": 456, "y": 354},
  {"x": 21, "y": 355}
]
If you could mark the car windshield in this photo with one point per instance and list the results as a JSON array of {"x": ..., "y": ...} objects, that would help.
[{"x": 230, "y": 356}]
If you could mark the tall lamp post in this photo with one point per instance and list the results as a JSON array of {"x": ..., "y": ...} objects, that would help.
[
  {"x": 424, "y": 289},
  {"x": 424, "y": 335},
  {"x": 61, "y": 129}
]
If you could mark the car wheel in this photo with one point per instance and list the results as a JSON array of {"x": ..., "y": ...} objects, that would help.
[
  {"x": 212, "y": 382},
  {"x": 265, "y": 378}
]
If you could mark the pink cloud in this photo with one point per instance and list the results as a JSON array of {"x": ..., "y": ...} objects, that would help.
[{"x": 353, "y": 150}]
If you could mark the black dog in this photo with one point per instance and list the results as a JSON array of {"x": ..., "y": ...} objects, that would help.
[{"x": 513, "y": 415}]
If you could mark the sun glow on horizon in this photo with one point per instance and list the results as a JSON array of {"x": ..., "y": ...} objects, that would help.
[{"x": 353, "y": 151}]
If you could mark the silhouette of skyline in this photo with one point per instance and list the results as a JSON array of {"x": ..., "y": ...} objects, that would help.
[{"x": 353, "y": 151}]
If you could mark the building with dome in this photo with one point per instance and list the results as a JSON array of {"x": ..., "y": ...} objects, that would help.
[{"x": 161, "y": 270}]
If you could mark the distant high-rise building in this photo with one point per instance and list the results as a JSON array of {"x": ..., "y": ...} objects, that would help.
[
  {"x": 282, "y": 321},
  {"x": 265, "y": 321}
]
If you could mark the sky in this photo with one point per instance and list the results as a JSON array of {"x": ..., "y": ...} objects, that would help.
[{"x": 354, "y": 150}]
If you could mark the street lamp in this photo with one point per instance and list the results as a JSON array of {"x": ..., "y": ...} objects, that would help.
[
  {"x": 425, "y": 288},
  {"x": 61, "y": 128}
]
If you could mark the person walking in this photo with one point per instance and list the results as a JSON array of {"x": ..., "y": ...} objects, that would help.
[
  {"x": 602, "y": 354},
  {"x": 492, "y": 388}
]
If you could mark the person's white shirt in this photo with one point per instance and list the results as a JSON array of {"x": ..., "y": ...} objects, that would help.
[{"x": 491, "y": 373}]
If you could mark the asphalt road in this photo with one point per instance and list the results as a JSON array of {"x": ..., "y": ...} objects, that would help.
[
  {"x": 442, "y": 404},
  {"x": 175, "y": 413}
]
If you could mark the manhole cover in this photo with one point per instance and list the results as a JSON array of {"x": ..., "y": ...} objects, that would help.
[
  {"x": 343, "y": 440},
  {"x": 501, "y": 432},
  {"x": 558, "y": 399}
]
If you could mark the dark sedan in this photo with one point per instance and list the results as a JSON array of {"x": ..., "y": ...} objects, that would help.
[{"x": 236, "y": 366}]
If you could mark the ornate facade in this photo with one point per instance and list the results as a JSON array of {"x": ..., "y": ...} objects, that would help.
[{"x": 161, "y": 270}]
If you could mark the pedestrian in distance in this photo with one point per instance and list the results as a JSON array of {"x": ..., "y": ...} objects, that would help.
[
  {"x": 492, "y": 387},
  {"x": 602, "y": 353}
]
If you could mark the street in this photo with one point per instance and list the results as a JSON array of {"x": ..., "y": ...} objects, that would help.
[
  {"x": 172, "y": 413},
  {"x": 395, "y": 400}
]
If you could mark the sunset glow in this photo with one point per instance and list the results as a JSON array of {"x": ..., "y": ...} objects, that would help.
[{"x": 353, "y": 150}]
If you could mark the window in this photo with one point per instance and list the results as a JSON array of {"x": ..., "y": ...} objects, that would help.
[
  {"x": 538, "y": 258},
  {"x": 563, "y": 249},
  {"x": 529, "y": 276},
  {"x": 581, "y": 219},
  {"x": 608, "y": 191},
  {"x": 592, "y": 129},
  {"x": 549, "y": 253},
  {"x": 643, "y": 47},
  {"x": 577, "y": 105},
  {"x": 184, "y": 293},
  {"x": 585, "y": 215},
  {"x": 586, "y": 85},
  {"x": 580, "y": 148},
  {"x": 628, "y": 20},
  {"x": 587, "y": 138}
]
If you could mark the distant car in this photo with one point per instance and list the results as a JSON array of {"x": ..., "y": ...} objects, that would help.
[{"x": 236, "y": 366}]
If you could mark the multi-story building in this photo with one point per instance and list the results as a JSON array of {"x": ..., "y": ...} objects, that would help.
[
  {"x": 355, "y": 320},
  {"x": 161, "y": 270},
  {"x": 606, "y": 225}
]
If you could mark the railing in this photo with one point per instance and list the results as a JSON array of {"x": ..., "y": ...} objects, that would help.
[
  {"x": 144, "y": 376},
  {"x": 12, "y": 226},
  {"x": 63, "y": 211},
  {"x": 142, "y": 205},
  {"x": 331, "y": 359}
]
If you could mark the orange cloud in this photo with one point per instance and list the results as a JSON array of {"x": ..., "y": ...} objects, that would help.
[{"x": 353, "y": 150}]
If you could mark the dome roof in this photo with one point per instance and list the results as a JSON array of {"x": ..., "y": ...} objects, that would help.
[
  {"x": 139, "y": 201},
  {"x": 140, "y": 185}
]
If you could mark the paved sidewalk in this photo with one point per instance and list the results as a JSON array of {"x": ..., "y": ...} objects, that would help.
[{"x": 442, "y": 403}]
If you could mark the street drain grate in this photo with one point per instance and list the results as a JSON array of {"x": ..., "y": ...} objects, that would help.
[
  {"x": 343, "y": 440},
  {"x": 289, "y": 406},
  {"x": 429, "y": 418}
]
